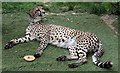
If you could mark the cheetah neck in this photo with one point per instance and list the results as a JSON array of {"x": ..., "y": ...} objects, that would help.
[{"x": 35, "y": 21}]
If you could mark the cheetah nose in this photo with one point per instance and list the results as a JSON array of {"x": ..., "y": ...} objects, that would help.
[
  {"x": 43, "y": 12},
  {"x": 40, "y": 14}
]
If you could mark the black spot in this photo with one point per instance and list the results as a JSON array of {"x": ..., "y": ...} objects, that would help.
[
  {"x": 65, "y": 36},
  {"x": 83, "y": 50},
  {"x": 37, "y": 34},
  {"x": 81, "y": 46},
  {"x": 59, "y": 40},
  {"x": 25, "y": 37},
  {"x": 28, "y": 34},
  {"x": 98, "y": 46},
  {"x": 39, "y": 37},
  {"x": 28, "y": 38},
  {"x": 19, "y": 41},
  {"x": 63, "y": 40},
  {"x": 97, "y": 41},
  {"x": 16, "y": 41},
  {"x": 51, "y": 38},
  {"x": 24, "y": 40}
]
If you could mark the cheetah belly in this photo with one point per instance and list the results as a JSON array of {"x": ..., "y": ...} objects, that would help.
[{"x": 65, "y": 44}]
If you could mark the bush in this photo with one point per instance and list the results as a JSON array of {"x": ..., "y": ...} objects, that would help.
[
  {"x": 9, "y": 7},
  {"x": 111, "y": 7},
  {"x": 90, "y": 7},
  {"x": 97, "y": 9}
]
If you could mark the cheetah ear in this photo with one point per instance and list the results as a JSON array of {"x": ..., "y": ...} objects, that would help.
[{"x": 28, "y": 12}]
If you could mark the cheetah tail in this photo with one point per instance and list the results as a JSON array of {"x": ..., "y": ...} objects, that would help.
[
  {"x": 107, "y": 64},
  {"x": 96, "y": 58}
]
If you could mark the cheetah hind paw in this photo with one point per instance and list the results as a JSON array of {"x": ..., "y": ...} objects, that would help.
[
  {"x": 73, "y": 65},
  {"x": 61, "y": 58}
]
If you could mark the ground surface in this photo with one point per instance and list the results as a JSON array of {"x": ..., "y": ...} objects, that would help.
[{"x": 14, "y": 26}]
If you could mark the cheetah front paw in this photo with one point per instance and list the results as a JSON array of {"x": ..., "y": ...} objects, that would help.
[
  {"x": 61, "y": 58},
  {"x": 36, "y": 55},
  {"x": 9, "y": 45}
]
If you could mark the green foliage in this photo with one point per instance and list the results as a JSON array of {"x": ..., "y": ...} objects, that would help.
[
  {"x": 9, "y": 7},
  {"x": 97, "y": 8},
  {"x": 111, "y": 7},
  {"x": 90, "y": 7},
  {"x": 116, "y": 25},
  {"x": 70, "y": 5},
  {"x": 82, "y": 7}
]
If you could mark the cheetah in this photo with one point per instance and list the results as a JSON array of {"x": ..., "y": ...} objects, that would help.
[{"x": 77, "y": 42}]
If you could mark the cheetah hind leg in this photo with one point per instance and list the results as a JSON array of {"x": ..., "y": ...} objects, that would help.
[{"x": 80, "y": 61}]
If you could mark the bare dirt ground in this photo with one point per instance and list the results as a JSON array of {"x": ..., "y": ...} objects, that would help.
[
  {"x": 63, "y": 13},
  {"x": 109, "y": 19}
]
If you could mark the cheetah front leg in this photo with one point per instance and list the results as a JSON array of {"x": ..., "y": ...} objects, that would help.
[
  {"x": 17, "y": 41},
  {"x": 43, "y": 44},
  {"x": 66, "y": 58}
]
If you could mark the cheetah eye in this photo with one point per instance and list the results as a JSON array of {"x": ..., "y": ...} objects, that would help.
[{"x": 38, "y": 10}]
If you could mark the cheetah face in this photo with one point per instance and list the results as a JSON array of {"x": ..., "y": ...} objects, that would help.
[{"x": 36, "y": 13}]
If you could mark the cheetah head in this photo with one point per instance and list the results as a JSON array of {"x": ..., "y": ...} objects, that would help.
[{"x": 36, "y": 13}]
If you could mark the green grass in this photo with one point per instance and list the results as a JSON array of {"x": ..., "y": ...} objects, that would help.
[
  {"x": 116, "y": 25},
  {"x": 14, "y": 26}
]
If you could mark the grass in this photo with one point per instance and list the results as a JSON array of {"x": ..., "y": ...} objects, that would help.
[
  {"x": 14, "y": 25},
  {"x": 116, "y": 25}
]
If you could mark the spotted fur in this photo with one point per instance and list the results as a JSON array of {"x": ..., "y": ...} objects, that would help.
[{"x": 78, "y": 43}]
